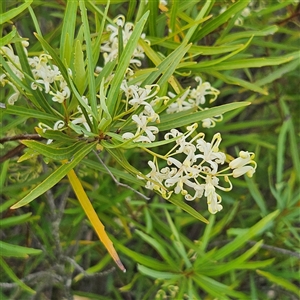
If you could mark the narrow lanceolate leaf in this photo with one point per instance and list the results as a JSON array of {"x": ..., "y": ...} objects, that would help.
[
  {"x": 10, "y": 250},
  {"x": 184, "y": 206},
  {"x": 185, "y": 118},
  {"x": 52, "y": 151},
  {"x": 158, "y": 274},
  {"x": 219, "y": 20},
  {"x": 68, "y": 31},
  {"x": 29, "y": 113},
  {"x": 8, "y": 37},
  {"x": 286, "y": 284},
  {"x": 92, "y": 216},
  {"x": 55, "y": 177},
  {"x": 246, "y": 236},
  {"x": 89, "y": 53},
  {"x": 7, "y": 16}
]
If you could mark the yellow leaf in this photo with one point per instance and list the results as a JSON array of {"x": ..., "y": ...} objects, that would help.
[{"x": 92, "y": 216}]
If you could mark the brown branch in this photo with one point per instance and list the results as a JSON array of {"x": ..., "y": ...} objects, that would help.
[
  {"x": 33, "y": 136},
  {"x": 15, "y": 151}
]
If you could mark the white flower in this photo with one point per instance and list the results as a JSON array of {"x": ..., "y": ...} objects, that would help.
[
  {"x": 211, "y": 153},
  {"x": 60, "y": 97},
  {"x": 239, "y": 164},
  {"x": 181, "y": 103},
  {"x": 203, "y": 89},
  {"x": 142, "y": 123},
  {"x": 194, "y": 99},
  {"x": 110, "y": 47},
  {"x": 213, "y": 199}
]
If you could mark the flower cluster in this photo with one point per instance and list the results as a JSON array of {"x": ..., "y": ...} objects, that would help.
[
  {"x": 46, "y": 76},
  {"x": 13, "y": 62},
  {"x": 137, "y": 97},
  {"x": 194, "y": 99},
  {"x": 195, "y": 167},
  {"x": 110, "y": 47}
]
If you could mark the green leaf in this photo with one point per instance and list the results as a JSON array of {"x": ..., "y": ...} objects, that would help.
[
  {"x": 196, "y": 49},
  {"x": 89, "y": 60},
  {"x": 13, "y": 12},
  {"x": 117, "y": 173},
  {"x": 217, "y": 289},
  {"x": 239, "y": 82},
  {"x": 55, "y": 177},
  {"x": 247, "y": 34},
  {"x": 286, "y": 284},
  {"x": 177, "y": 243},
  {"x": 165, "y": 67},
  {"x": 249, "y": 63},
  {"x": 257, "y": 195},
  {"x": 247, "y": 235},
  {"x": 158, "y": 274},
  {"x": 159, "y": 248},
  {"x": 16, "y": 220},
  {"x": 29, "y": 113},
  {"x": 68, "y": 31},
  {"x": 141, "y": 258},
  {"x": 184, "y": 206},
  {"x": 56, "y": 135},
  {"x": 54, "y": 152},
  {"x": 80, "y": 73},
  {"x": 216, "y": 22},
  {"x": 218, "y": 269},
  {"x": 185, "y": 118},
  {"x": 8, "y": 37},
  {"x": 10, "y": 250}
]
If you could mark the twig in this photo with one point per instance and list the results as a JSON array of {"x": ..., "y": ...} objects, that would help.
[
  {"x": 15, "y": 151},
  {"x": 116, "y": 181},
  {"x": 277, "y": 249},
  {"x": 82, "y": 271},
  {"x": 18, "y": 137}
]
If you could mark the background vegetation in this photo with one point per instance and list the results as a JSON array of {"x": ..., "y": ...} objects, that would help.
[{"x": 249, "y": 51}]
